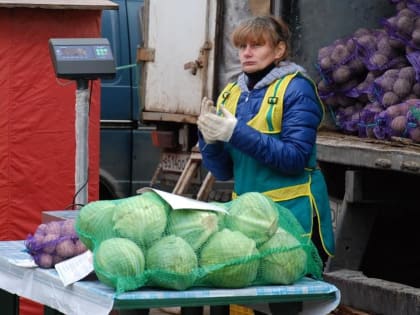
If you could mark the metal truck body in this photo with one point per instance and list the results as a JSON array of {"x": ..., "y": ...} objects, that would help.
[{"x": 182, "y": 54}]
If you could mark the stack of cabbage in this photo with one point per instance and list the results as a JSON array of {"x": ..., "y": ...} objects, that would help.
[{"x": 140, "y": 241}]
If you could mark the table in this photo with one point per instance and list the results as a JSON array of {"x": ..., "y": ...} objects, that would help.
[{"x": 92, "y": 297}]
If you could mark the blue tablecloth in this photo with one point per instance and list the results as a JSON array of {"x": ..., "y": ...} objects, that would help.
[{"x": 92, "y": 297}]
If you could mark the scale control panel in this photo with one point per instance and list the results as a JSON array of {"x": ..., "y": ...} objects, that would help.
[{"x": 82, "y": 58}]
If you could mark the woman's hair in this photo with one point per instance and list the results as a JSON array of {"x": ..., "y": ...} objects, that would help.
[{"x": 260, "y": 30}]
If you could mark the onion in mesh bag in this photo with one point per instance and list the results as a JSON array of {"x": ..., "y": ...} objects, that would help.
[{"x": 171, "y": 263}]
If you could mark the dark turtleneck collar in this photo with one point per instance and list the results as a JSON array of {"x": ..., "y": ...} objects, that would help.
[{"x": 255, "y": 77}]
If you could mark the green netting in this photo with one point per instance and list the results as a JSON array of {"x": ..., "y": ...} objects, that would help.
[{"x": 140, "y": 241}]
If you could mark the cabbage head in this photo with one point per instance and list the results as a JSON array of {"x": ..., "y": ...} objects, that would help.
[
  {"x": 283, "y": 259},
  {"x": 94, "y": 222},
  {"x": 253, "y": 214},
  {"x": 226, "y": 260},
  {"x": 171, "y": 263},
  {"x": 119, "y": 263},
  {"x": 141, "y": 219},
  {"x": 194, "y": 226}
]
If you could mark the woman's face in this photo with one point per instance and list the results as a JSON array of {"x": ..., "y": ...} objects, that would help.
[{"x": 255, "y": 57}]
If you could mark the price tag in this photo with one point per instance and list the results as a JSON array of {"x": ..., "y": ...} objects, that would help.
[{"x": 75, "y": 268}]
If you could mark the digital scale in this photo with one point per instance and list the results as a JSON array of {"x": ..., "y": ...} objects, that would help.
[{"x": 82, "y": 60}]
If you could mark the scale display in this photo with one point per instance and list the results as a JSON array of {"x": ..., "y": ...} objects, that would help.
[
  {"x": 83, "y": 52},
  {"x": 82, "y": 58}
]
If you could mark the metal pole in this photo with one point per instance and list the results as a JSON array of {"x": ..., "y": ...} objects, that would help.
[{"x": 82, "y": 150}]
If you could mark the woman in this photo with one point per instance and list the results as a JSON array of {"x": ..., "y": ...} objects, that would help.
[{"x": 263, "y": 130}]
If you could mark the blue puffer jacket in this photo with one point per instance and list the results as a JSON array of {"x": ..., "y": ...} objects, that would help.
[{"x": 288, "y": 154}]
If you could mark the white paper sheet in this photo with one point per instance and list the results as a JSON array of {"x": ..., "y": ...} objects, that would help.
[{"x": 178, "y": 202}]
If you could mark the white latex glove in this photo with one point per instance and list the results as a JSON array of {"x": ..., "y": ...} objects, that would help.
[
  {"x": 207, "y": 106},
  {"x": 217, "y": 128}
]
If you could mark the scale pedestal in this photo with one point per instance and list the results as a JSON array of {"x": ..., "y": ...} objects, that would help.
[{"x": 82, "y": 60}]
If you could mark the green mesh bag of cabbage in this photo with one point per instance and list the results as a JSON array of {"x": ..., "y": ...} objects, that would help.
[{"x": 142, "y": 241}]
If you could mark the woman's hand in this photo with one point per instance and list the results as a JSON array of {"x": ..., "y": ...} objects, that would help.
[{"x": 217, "y": 128}]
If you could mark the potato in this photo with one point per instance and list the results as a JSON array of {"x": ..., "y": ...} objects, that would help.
[
  {"x": 414, "y": 134},
  {"x": 41, "y": 228},
  {"x": 68, "y": 227},
  {"x": 412, "y": 102},
  {"x": 323, "y": 87},
  {"x": 390, "y": 98},
  {"x": 392, "y": 21},
  {"x": 393, "y": 111},
  {"x": 386, "y": 83},
  {"x": 416, "y": 89},
  {"x": 361, "y": 31},
  {"x": 351, "y": 45},
  {"x": 65, "y": 248},
  {"x": 384, "y": 46},
  {"x": 407, "y": 73},
  {"x": 325, "y": 63},
  {"x": 49, "y": 243},
  {"x": 37, "y": 240},
  {"x": 341, "y": 74},
  {"x": 324, "y": 52},
  {"x": 339, "y": 54},
  {"x": 367, "y": 41},
  {"x": 356, "y": 65},
  {"x": 402, "y": 87},
  {"x": 404, "y": 107},
  {"x": 405, "y": 24},
  {"x": 44, "y": 261},
  {"x": 53, "y": 227},
  {"x": 396, "y": 44},
  {"x": 378, "y": 60},
  {"x": 407, "y": 13},
  {"x": 391, "y": 73},
  {"x": 79, "y": 247},
  {"x": 415, "y": 37},
  {"x": 398, "y": 125}
]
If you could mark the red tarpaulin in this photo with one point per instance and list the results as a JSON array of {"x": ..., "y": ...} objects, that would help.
[{"x": 37, "y": 120}]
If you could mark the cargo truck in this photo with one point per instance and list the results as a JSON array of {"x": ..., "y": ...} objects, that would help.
[{"x": 181, "y": 53}]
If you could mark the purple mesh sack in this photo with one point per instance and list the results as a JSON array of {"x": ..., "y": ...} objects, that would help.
[
  {"x": 367, "y": 120},
  {"x": 347, "y": 118},
  {"x": 396, "y": 120},
  {"x": 54, "y": 242},
  {"x": 335, "y": 63},
  {"x": 414, "y": 59}
]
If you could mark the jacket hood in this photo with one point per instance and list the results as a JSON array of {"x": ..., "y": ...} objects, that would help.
[{"x": 284, "y": 68}]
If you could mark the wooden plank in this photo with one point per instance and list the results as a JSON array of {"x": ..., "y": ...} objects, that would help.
[
  {"x": 61, "y": 4},
  {"x": 350, "y": 150}
]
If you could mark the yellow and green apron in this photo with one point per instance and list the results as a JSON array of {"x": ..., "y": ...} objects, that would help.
[{"x": 305, "y": 194}]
